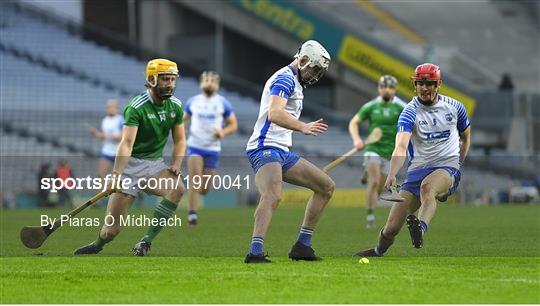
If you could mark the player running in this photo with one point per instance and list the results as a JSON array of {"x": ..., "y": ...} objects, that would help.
[
  {"x": 148, "y": 119},
  {"x": 435, "y": 131},
  {"x": 111, "y": 133},
  {"x": 207, "y": 112},
  {"x": 381, "y": 112},
  {"x": 273, "y": 162}
]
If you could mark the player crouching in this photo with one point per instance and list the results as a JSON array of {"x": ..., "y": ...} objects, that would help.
[
  {"x": 148, "y": 119},
  {"x": 435, "y": 131},
  {"x": 269, "y": 152}
]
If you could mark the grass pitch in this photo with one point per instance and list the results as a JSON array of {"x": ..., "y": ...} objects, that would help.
[{"x": 471, "y": 255}]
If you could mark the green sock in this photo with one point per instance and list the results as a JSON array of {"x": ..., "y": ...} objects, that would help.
[
  {"x": 100, "y": 242},
  {"x": 164, "y": 210},
  {"x": 370, "y": 211}
]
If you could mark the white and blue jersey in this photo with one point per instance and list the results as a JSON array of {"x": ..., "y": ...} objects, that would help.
[
  {"x": 271, "y": 142},
  {"x": 111, "y": 125},
  {"x": 435, "y": 132},
  {"x": 207, "y": 115},
  {"x": 435, "y": 141},
  {"x": 285, "y": 84}
]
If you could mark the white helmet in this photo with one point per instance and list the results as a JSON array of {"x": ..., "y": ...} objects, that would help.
[{"x": 319, "y": 60}]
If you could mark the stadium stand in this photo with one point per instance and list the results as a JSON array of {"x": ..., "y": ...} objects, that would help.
[
  {"x": 456, "y": 50},
  {"x": 53, "y": 81}
]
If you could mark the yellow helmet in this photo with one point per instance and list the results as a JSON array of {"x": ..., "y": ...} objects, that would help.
[{"x": 159, "y": 66}]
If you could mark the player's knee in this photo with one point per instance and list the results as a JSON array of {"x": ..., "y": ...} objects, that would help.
[
  {"x": 267, "y": 205},
  {"x": 272, "y": 198},
  {"x": 327, "y": 189},
  {"x": 176, "y": 194},
  {"x": 374, "y": 182}
]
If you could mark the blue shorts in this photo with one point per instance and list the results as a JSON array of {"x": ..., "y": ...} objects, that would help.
[
  {"x": 210, "y": 158},
  {"x": 415, "y": 178},
  {"x": 262, "y": 156},
  {"x": 108, "y": 157}
]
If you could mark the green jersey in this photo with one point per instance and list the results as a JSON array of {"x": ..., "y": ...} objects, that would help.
[
  {"x": 153, "y": 122},
  {"x": 384, "y": 116}
]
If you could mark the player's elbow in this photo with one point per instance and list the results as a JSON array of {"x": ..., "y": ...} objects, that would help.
[
  {"x": 353, "y": 124},
  {"x": 400, "y": 150},
  {"x": 234, "y": 126},
  {"x": 272, "y": 115},
  {"x": 126, "y": 143}
]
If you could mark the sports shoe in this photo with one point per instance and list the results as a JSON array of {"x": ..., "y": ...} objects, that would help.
[
  {"x": 192, "y": 219},
  {"x": 368, "y": 253},
  {"x": 303, "y": 252},
  {"x": 261, "y": 258},
  {"x": 370, "y": 221},
  {"x": 141, "y": 248},
  {"x": 413, "y": 224},
  {"x": 88, "y": 249}
]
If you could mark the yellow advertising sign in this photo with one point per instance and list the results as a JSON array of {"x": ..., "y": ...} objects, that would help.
[
  {"x": 372, "y": 63},
  {"x": 343, "y": 197}
]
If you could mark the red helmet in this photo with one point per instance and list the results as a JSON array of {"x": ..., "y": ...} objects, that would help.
[{"x": 427, "y": 71}]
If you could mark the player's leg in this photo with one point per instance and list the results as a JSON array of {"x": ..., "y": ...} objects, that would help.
[
  {"x": 117, "y": 207},
  {"x": 394, "y": 223},
  {"x": 437, "y": 183},
  {"x": 208, "y": 174},
  {"x": 268, "y": 181},
  {"x": 171, "y": 188},
  {"x": 305, "y": 174},
  {"x": 104, "y": 166},
  {"x": 195, "y": 170},
  {"x": 373, "y": 170}
]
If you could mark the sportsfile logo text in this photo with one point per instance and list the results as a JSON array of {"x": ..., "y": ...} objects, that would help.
[
  {"x": 223, "y": 182},
  {"x": 97, "y": 183}
]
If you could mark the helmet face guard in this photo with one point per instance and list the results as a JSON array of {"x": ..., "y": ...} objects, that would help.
[
  {"x": 165, "y": 92},
  {"x": 310, "y": 73},
  {"x": 317, "y": 62},
  {"x": 388, "y": 81},
  {"x": 158, "y": 67}
]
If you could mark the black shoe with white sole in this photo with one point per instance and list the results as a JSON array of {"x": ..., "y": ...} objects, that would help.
[{"x": 413, "y": 224}]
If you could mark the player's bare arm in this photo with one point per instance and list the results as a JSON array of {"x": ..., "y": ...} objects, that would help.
[
  {"x": 278, "y": 115},
  {"x": 465, "y": 143},
  {"x": 179, "y": 148},
  {"x": 398, "y": 157},
  {"x": 129, "y": 133},
  {"x": 354, "y": 125},
  {"x": 231, "y": 126}
]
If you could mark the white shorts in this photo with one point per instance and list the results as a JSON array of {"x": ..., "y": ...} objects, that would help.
[
  {"x": 137, "y": 169},
  {"x": 374, "y": 158}
]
